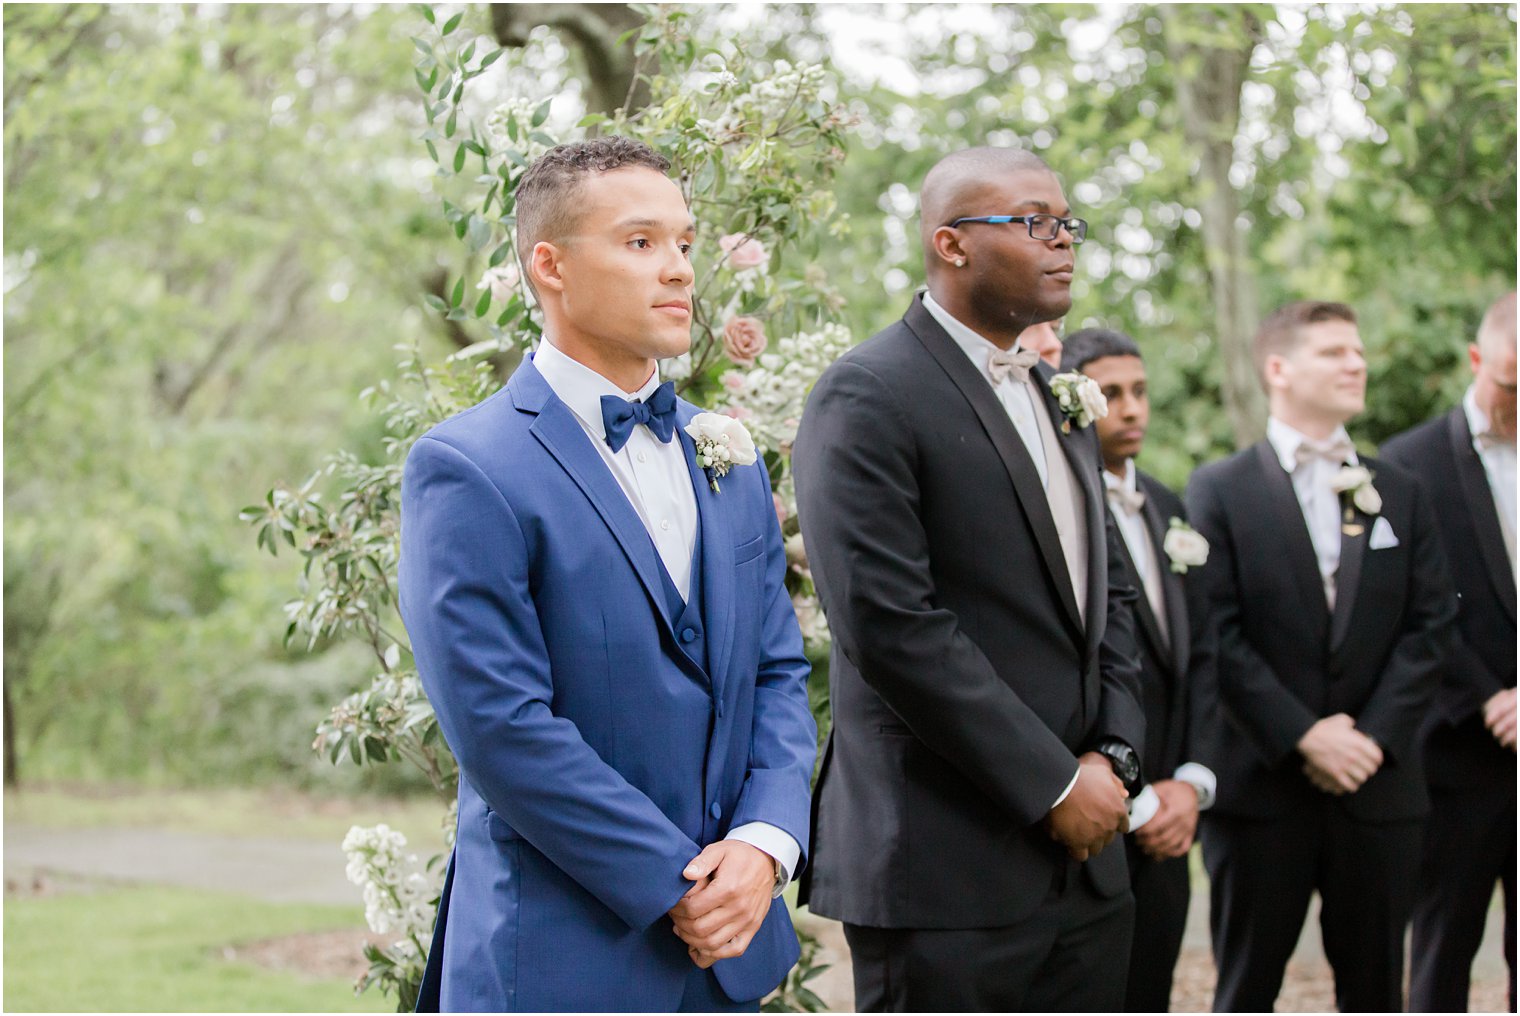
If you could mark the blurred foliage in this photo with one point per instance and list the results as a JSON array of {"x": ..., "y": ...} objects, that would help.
[{"x": 220, "y": 224}]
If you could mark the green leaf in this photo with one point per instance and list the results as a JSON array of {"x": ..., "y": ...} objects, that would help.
[
  {"x": 432, "y": 151},
  {"x": 436, "y": 302},
  {"x": 592, "y": 120},
  {"x": 478, "y": 234},
  {"x": 423, "y": 46},
  {"x": 541, "y": 113},
  {"x": 452, "y": 23},
  {"x": 498, "y": 255},
  {"x": 458, "y": 295},
  {"x": 459, "y": 155},
  {"x": 484, "y": 303},
  {"x": 491, "y": 58},
  {"x": 468, "y": 53},
  {"x": 427, "y": 12},
  {"x": 449, "y": 127}
]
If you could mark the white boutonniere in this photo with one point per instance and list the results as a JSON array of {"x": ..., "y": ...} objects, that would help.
[
  {"x": 1185, "y": 546},
  {"x": 722, "y": 443},
  {"x": 1080, "y": 399},
  {"x": 1357, "y": 480}
]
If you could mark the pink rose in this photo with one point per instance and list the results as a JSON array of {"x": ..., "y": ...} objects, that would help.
[
  {"x": 743, "y": 250},
  {"x": 733, "y": 381},
  {"x": 737, "y": 412},
  {"x": 743, "y": 340}
]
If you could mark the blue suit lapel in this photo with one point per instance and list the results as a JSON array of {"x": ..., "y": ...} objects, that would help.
[
  {"x": 561, "y": 434},
  {"x": 717, "y": 562}
]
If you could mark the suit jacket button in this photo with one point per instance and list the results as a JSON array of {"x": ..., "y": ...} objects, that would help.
[
  {"x": 715, "y": 811},
  {"x": 688, "y": 635}
]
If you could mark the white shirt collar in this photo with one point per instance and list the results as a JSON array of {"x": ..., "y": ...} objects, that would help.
[
  {"x": 1285, "y": 441},
  {"x": 972, "y": 344},
  {"x": 1129, "y": 482},
  {"x": 1477, "y": 419},
  {"x": 581, "y": 388}
]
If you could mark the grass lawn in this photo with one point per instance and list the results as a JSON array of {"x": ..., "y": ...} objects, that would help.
[
  {"x": 226, "y": 811},
  {"x": 159, "y": 949}
]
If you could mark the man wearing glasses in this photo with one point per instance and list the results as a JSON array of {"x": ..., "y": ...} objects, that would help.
[{"x": 985, "y": 696}]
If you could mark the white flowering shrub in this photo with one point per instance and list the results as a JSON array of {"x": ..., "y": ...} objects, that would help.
[{"x": 754, "y": 147}]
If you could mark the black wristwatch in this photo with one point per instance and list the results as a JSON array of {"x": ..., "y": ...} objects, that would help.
[{"x": 1125, "y": 762}]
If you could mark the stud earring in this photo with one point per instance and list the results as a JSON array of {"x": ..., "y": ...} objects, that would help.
[{"x": 960, "y": 262}]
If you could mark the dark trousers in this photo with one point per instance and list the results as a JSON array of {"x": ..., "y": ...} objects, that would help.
[
  {"x": 1262, "y": 875},
  {"x": 1161, "y": 893},
  {"x": 1469, "y": 845},
  {"x": 1068, "y": 956}
]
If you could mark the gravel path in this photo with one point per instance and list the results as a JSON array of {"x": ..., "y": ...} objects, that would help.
[{"x": 289, "y": 871}]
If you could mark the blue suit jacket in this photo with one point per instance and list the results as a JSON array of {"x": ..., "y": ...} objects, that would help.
[{"x": 596, "y": 758}]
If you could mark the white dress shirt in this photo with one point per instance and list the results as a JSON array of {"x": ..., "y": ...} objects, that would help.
[
  {"x": 1499, "y": 463},
  {"x": 1320, "y": 504},
  {"x": 654, "y": 477},
  {"x": 1019, "y": 402}
]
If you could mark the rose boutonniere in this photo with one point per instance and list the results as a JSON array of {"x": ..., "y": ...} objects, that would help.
[
  {"x": 1357, "y": 481},
  {"x": 1080, "y": 399},
  {"x": 1185, "y": 546},
  {"x": 722, "y": 443}
]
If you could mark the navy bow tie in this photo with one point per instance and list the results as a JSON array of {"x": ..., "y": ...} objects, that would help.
[{"x": 658, "y": 413}]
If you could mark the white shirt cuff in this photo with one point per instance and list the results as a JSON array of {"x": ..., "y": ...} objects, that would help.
[
  {"x": 1201, "y": 778},
  {"x": 1069, "y": 787},
  {"x": 773, "y": 841},
  {"x": 1144, "y": 807}
]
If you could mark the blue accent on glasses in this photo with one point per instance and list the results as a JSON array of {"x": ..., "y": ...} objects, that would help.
[{"x": 1041, "y": 226}]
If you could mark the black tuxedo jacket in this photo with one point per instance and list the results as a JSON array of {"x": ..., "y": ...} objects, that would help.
[
  {"x": 963, "y": 682},
  {"x": 1164, "y": 663},
  {"x": 1284, "y": 659},
  {"x": 1459, "y": 750}
]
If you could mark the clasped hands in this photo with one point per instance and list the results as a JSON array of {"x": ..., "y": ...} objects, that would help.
[
  {"x": 720, "y": 914},
  {"x": 1499, "y": 717},
  {"x": 1088, "y": 818},
  {"x": 1338, "y": 758},
  {"x": 1170, "y": 831}
]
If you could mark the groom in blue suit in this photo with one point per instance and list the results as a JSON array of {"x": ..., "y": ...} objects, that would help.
[{"x": 607, "y": 641}]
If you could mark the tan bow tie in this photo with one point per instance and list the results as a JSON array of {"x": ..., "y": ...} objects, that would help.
[
  {"x": 1488, "y": 439},
  {"x": 1129, "y": 501},
  {"x": 1336, "y": 451},
  {"x": 1014, "y": 363}
]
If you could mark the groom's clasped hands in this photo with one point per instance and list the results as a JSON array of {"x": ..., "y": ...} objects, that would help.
[{"x": 721, "y": 913}]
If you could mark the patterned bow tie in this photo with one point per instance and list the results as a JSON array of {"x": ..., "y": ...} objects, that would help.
[
  {"x": 1337, "y": 451},
  {"x": 658, "y": 413},
  {"x": 1014, "y": 363},
  {"x": 1126, "y": 500}
]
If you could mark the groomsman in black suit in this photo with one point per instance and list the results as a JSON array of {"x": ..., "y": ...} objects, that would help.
[
  {"x": 1468, "y": 456},
  {"x": 1157, "y": 549},
  {"x": 1333, "y": 607},
  {"x": 983, "y": 684}
]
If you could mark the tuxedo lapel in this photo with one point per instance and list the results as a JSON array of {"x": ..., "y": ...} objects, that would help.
[
  {"x": 1348, "y": 574},
  {"x": 1479, "y": 499},
  {"x": 1082, "y": 458},
  {"x": 1171, "y": 588},
  {"x": 1010, "y": 448},
  {"x": 1143, "y": 610},
  {"x": 562, "y": 436},
  {"x": 1288, "y": 517},
  {"x": 717, "y": 562}
]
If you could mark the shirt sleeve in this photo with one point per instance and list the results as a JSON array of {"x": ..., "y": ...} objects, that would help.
[
  {"x": 775, "y": 842},
  {"x": 1201, "y": 778}
]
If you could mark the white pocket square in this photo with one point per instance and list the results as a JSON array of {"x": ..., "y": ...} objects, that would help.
[{"x": 1382, "y": 535}]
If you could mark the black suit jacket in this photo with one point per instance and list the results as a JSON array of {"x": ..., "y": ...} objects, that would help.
[
  {"x": 963, "y": 683},
  {"x": 1284, "y": 659},
  {"x": 1459, "y": 750},
  {"x": 1164, "y": 661}
]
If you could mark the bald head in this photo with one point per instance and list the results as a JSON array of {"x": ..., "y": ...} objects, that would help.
[
  {"x": 956, "y": 184},
  {"x": 1497, "y": 332}
]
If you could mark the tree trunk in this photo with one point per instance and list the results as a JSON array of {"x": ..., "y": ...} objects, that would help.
[
  {"x": 1211, "y": 48},
  {"x": 595, "y": 29}
]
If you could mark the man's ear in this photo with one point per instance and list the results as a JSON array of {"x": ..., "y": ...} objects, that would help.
[
  {"x": 1274, "y": 372},
  {"x": 544, "y": 268},
  {"x": 1474, "y": 356},
  {"x": 947, "y": 246}
]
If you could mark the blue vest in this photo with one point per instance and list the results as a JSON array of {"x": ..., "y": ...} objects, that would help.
[{"x": 686, "y": 615}]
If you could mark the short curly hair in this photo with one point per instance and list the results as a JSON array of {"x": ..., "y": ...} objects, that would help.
[{"x": 546, "y": 195}]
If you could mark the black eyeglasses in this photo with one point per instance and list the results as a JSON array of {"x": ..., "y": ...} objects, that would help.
[{"x": 1041, "y": 227}]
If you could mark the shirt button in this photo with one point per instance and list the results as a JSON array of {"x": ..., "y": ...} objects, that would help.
[
  {"x": 688, "y": 635},
  {"x": 643, "y": 457},
  {"x": 715, "y": 811},
  {"x": 665, "y": 524}
]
